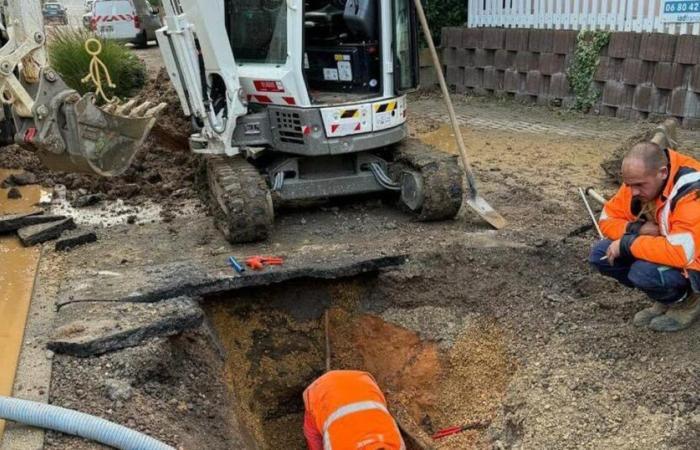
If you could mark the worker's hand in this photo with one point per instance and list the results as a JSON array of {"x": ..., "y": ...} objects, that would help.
[
  {"x": 613, "y": 252},
  {"x": 649, "y": 229}
]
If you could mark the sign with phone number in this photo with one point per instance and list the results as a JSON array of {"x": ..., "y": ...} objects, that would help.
[{"x": 684, "y": 11}]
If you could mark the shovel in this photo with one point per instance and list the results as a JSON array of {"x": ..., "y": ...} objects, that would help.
[{"x": 474, "y": 200}]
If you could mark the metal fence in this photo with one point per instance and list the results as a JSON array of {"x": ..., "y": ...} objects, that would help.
[{"x": 664, "y": 16}]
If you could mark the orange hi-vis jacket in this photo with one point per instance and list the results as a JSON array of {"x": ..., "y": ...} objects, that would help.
[
  {"x": 350, "y": 411},
  {"x": 676, "y": 211}
]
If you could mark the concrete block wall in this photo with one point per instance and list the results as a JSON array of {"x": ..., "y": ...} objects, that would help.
[{"x": 641, "y": 75}]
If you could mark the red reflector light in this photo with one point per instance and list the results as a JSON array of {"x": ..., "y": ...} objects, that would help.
[
  {"x": 307, "y": 130},
  {"x": 137, "y": 22},
  {"x": 289, "y": 100},
  {"x": 268, "y": 86}
]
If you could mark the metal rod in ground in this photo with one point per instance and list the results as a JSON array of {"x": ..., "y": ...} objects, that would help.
[
  {"x": 473, "y": 199},
  {"x": 590, "y": 212},
  {"x": 328, "y": 341}
]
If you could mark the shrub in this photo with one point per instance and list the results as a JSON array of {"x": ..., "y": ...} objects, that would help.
[
  {"x": 67, "y": 55},
  {"x": 444, "y": 13}
]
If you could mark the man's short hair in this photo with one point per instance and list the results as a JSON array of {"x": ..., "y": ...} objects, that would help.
[{"x": 651, "y": 154}]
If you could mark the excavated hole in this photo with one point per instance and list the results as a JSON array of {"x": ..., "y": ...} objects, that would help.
[{"x": 443, "y": 367}]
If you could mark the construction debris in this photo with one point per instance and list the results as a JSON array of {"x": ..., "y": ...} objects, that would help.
[
  {"x": 89, "y": 329},
  {"x": 75, "y": 239},
  {"x": 14, "y": 222},
  {"x": 36, "y": 234},
  {"x": 14, "y": 194},
  {"x": 19, "y": 179}
]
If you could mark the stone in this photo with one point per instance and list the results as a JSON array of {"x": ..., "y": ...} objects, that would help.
[
  {"x": 533, "y": 82},
  {"x": 494, "y": 38},
  {"x": 564, "y": 42},
  {"x": 602, "y": 71},
  {"x": 118, "y": 390},
  {"x": 503, "y": 59},
  {"x": 687, "y": 49},
  {"x": 483, "y": 58},
  {"x": 668, "y": 75},
  {"x": 473, "y": 77},
  {"x": 36, "y": 234},
  {"x": 657, "y": 47},
  {"x": 642, "y": 98},
  {"x": 511, "y": 81},
  {"x": 493, "y": 79},
  {"x": 616, "y": 94},
  {"x": 526, "y": 61},
  {"x": 464, "y": 57},
  {"x": 624, "y": 44},
  {"x": 559, "y": 86},
  {"x": 684, "y": 103},
  {"x": 636, "y": 71},
  {"x": 19, "y": 179},
  {"x": 695, "y": 79},
  {"x": 517, "y": 39},
  {"x": 75, "y": 240},
  {"x": 454, "y": 76},
  {"x": 551, "y": 63},
  {"x": 541, "y": 41},
  {"x": 87, "y": 200},
  {"x": 472, "y": 38},
  {"x": 89, "y": 329},
  {"x": 13, "y": 193},
  {"x": 14, "y": 222}
]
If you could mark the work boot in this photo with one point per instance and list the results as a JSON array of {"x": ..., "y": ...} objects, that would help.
[
  {"x": 679, "y": 316},
  {"x": 643, "y": 317}
]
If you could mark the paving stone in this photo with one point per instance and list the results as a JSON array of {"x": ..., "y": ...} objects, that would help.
[
  {"x": 483, "y": 58},
  {"x": 517, "y": 39},
  {"x": 494, "y": 38},
  {"x": 642, "y": 99},
  {"x": 493, "y": 78},
  {"x": 559, "y": 86},
  {"x": 551, "y": 63},
  {"x": 473, "y": 77},
  {"x": 75, "y": 240},
  {"x": 564, "y": 42},
  {"x": 636, "y": 71},
  {"x": 472, "y": 38},
  {"x": 526, "y": 61},
  {"x": 533, "y": 82},
  {"x": 14, "y": 222},
  {"x": 616, "y": 94},
  {"x": 624, "y": 44},
  {"x": 511, "y": 80},
  {"x": 464, "y": 57},
  {"x": 668, "y": 75},
  {"x": 684, "y": 103},
  {"x": 658, "y": 47},
  {"x": 541, "y": 41},
  {"x": 687, "y": 49},
  {"x": 503, "y": 59},
  {"x": 90, "y": 329},
  {"x": 36, "y": 234}
]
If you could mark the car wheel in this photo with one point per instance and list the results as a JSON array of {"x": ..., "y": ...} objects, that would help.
[{"x": 142, "y": 40}]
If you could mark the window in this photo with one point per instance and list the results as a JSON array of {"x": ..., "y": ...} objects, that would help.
[
  {"x": 258, "y": 30},
  {"x": 406, "y": 65}
]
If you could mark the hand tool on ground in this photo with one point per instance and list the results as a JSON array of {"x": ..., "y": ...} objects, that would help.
[
  {"x": 236, "y": 265},
  {"x": 474, "y": 200},
  {"x": 590, "y": 212},
  {"x": 259, "y": 262},
  {"x": 595, "y": 196},
  {"x": 449, "y": 431}
]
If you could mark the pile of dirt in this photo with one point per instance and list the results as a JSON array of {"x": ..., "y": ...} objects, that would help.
[
  {"x": 612, "y": 166},
  {"x": 163, "y": 170}
]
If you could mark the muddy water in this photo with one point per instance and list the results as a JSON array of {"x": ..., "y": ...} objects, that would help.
[{"x": 17, "y": 271}]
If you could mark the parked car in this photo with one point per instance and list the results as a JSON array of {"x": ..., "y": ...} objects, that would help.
[
  {"x": 126, "y": 20},
  {"x": 54, "y": 12}
]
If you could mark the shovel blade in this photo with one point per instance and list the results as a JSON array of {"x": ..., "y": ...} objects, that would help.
[{"x": 486, "y": 211}]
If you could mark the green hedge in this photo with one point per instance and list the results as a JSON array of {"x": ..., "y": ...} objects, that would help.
[{"x": 444, "y": 13}]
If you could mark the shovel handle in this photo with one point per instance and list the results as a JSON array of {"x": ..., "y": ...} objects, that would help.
[{"x": 448, "y": 101}]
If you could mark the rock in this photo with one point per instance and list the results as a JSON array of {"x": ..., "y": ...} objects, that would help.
[
  {"x": 14, "y": 193},
  {"x": 87, "y": 200},
  {"x": 19, "y": 179},
  {"x": 36, "y": 234},
  {"x": 89, "y": 329},
  {"x": 118, "y": 390},
  {"x": 14, "y": 222},
  {"x": 131, "y": 219},
  {"x": 75, "y": 239}
]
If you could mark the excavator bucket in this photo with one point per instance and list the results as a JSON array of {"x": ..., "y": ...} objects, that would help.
[{"x": 71, "y": 133}]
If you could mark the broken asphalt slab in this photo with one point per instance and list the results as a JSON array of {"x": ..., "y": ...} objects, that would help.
[
  {"x": 14, "y": 222},
  {"x": 89, "y": 329},
  {"x": 75, "y": 239},
  {"x": 36, "y": 234},
  {"x": 158, "y": 282}
]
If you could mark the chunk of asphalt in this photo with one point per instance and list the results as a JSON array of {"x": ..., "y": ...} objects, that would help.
[
  {"x": 87, "y": 200},
  {"x": 36, "y": 234},
  {"x": 14, "y": 194},
  {"x": 89, "y": 329},
  {"x": 76, "y": 239},
  {"x": 14, "y": 222}
]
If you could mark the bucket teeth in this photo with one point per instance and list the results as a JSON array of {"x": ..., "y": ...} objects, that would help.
[
  {"x": 125, "y": 109},
  {"x": 139, "y": 110},
  {"x": 156, "y": 110}
]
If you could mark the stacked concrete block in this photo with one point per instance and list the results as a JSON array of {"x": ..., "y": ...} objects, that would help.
[{"x": 639, "y": 75}]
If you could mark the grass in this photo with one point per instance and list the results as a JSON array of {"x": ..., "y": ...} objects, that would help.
[{"x": 68, "y": 57}]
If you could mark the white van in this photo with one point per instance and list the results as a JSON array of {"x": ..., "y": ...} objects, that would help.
[{"x": 126, "y": 20}]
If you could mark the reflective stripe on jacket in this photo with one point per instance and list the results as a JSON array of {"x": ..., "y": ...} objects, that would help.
[
  {"x": 676, "y": 211},
  {"x": 350, "y": 411}
]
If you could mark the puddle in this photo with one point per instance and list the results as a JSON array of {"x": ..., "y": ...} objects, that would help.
[
  {"x": 17, "y": 271},
  {"x": 274, "y": 346}
]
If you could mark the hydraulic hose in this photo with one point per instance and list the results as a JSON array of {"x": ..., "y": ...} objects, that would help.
[{"x": 76, "y": 423}]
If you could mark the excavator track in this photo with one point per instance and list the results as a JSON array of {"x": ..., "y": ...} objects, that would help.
[
  {"x": 240, "y": 199},
  {"x": 439, "y": 173}
]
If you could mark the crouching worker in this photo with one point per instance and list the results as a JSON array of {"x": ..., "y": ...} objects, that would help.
[
  {"x": 346, "y": 410},
  {"x": 652, "y": 225}
]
